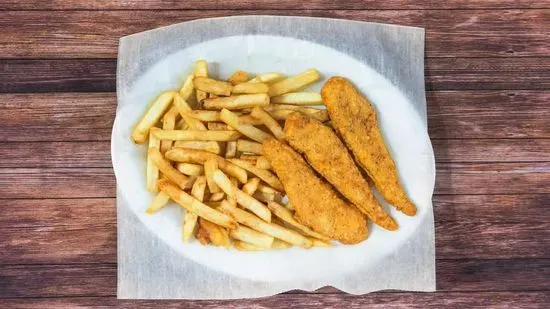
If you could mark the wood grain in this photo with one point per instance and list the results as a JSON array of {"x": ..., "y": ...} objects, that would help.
[
  {"x": 452, "y": 115},
  {"x": 100, "y": 279},
  {"x": 95, "y": 34},
  {"x": 98, "y": 75},
  {"x": 380, "y": 300},
  {"x": 269, "y": 4}
]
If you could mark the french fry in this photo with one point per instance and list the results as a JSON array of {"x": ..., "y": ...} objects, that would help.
[
  {"x": 279, "y": 244},
  {"x": 167, "y": 170},
  {"x": 248, "y": 119},
  {"x": 205, "y": 116},
  {"x": 190, "y": 219},
  {"x": 237, "y": 102},
  {"x": 181, "y": 125},
  {"x": 168, "y": 123},
  {"x": 160, "y": 200},
  {"x": 152, "y": 173},
  {"x": 250, "y": 88},
  {"x": 187, "y": 88},
  {"x": 269, "y": 122},
  {"x": 264, "y": 175},
  {"x": 190, "y": 169},
  {"x": 152, "y": 116},
  {"x": 210, "y": 166},
  {"x": 259, "y": 225},
  {"x": 201, "y": 70},
  {"x": 249, "y": 146},
  {"x": 210, "y": 146},
  {"x": 246, "y": 129},
  {"x": 266, "y": 189},
  {"x": 270, "y": 77},
  {"x": 194, "y": 135},
  {"x": 264, "y": 197},
  {"x": 262, "y": 162},
  {"x": 241, "y": 198},
  {"x": 199, "y": 157},
  {"x": 294, "y": 83},
  {"x": 217, "y": 197},
  {"x": 195, "y": 206},
  {"x": 285, "y": 215},
  {"x": 290, "y": 206},
  {"x": 202, "y": 236},
  {"x": 212, "y": 86},
  {"x": 251, "y": 186},
  {"x": 238, "y": 77},
  {"x": 231, "y": 149},
  {"x": 218, "y": 126},
  {"x": 252, "y": 159},
  {"x": 217, "y": 235},
  {"x": 298, "y": 98},
  {"x": 251, "y": 236},
  {"x": 319, "y": 243},
  {"x": 184, "y": 109},
  {"x": 244, "y": 246}
]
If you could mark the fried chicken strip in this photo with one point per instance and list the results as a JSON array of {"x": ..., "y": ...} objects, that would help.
[
  {"x": 317, "y": 204},
  {"x": 329, "y": 157},
  {"x": 355, "y": 120}
]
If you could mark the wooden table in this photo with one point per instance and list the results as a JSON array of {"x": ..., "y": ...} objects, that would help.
[{"x": 488, "y": 82}]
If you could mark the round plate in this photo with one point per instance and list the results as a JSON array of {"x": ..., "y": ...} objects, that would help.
[{"x": 402, "y": 128}]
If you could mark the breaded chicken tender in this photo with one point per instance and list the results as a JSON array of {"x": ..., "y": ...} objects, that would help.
[
  {"x": 355, "y": 120},
  {"x": 317, "y": 204},
  {"x": 329, "y": 157}
]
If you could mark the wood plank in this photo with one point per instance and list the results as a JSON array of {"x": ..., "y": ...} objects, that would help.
[
  {"x": 100, "y": 280},
  {"x": 379, "y": 300},
  {"x": 270, "y": 4},
  {"x": 452, "y": 115},
  {"x": 95, "y": 34},
  {"x": 99, "y": 75}
]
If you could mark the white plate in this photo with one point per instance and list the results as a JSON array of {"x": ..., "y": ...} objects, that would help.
[{"x": 402, "y": 128}]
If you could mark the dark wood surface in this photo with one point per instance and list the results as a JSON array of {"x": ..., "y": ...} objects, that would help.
[{"x": 488, "y": 93}]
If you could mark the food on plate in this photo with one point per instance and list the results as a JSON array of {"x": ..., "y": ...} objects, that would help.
[
  {"x": 213, "y": 234},
  {"x": 190, "y": 169},
  {"x": 250, "y": 236},
  {"x": 217, "y": 87},
  {"x": 237, "y": 101},
  {"x": 268, "y": 121},
  {"x": 294, "y": 83},
  {"x": 210, "y": 146},
  {"x": 168, "y": 170},
  {"x": 250, "y": 88},
  {"x": 267, "y": 78},
  {"x": 168, "y": 123},
  {"x": 210, "y": 166},
  {"x": 190, "y": 219},
  {"x": 152, "y": 116},
  {"x": 244, "y": 145},
  {"x": 298, "y": 98},
  {"x": 325, "y": 152},
  {"x": 355, "y": 120},
  {"x": 263, "y": 174},
  {"x": 317, "y": 205},
  {"x": 238, "y": 77},
  {"x": 152, "y": 173},
  {"x": 160, "y": 200},
  {"x": 194, "y": 135},
  {"x": 247, "y": 130},
  {"x": 201, "y": 70}
]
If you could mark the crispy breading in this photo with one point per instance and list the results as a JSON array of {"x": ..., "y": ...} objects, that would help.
[
  {"x": 317, "y": 204},
  {"x": 329, "y": 157},
  {"x": 355, "y": 120}
]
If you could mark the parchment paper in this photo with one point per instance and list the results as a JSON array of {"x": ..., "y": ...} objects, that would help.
[{"x": 150, "y": 269}]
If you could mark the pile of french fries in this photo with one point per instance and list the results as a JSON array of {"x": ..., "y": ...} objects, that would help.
[{"x": 205, "y": 154}]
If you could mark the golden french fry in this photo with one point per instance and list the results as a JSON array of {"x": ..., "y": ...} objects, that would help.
[
  {"x": 217, "y": 197},
  {"x": 184, "y": 109},
  {"x": 277, "y": 231},
  {"x": 250, "y": 88},
  {"x": 210, "y": 146},
  {"x": 251, "y": 236},
  {"x": 181, "y": 125},
  {"x": 190, "y": 169},
  {"x": 210, "y": 166},
  {"x": 194, "y": 135},
  {"x": 238, "y": 77},
  {"x": 241, "y": 198},
  {"x": 264, "y": 197},
  {"x": 264, "y": 175},
  {"x": 217, "y": 235},
  {"x": 244, "y": 246},
  {"x": 246, "y": 129},
  {"x": 319, "y": 243},
  {"x": 168, "y": 123},
  {"x": 167, "y": 170},
  {"x": 269, "y": 122},
  {"x": 298, "y": 98},
  {"x": 201, "y": 70},
  {"x": 270, "y": 77},
  {"x": 160, "y": 200},
  {"x": 190, "y": 219},
  {"x": 195, "y": 206},
  {"x": 213, "y": 86},
  {"x": 249, "y": 146},
  {"x": 199, "y": 157},
  {"x": 152, "y": 116},
  {"x": 279, "y": 244},
  {"x": 285, "y": 215},
  {"x": 218, "y": 126},
  {"x": 206, "y": 116},
  {"x": 252, "y": 159},
  {"x": 187, "y": 89},
  {"x": 262, "y": 162},
  {"x": 294, "y": 83},
  {"x": 231, "y": 149},
  {"x": 152, "y": 173},
  {"x": 251, "y": 186},
  {"x": 238, "y": 101},
  {"x": 267, "y": 189},
  {"x": 248, "y": 119}
]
